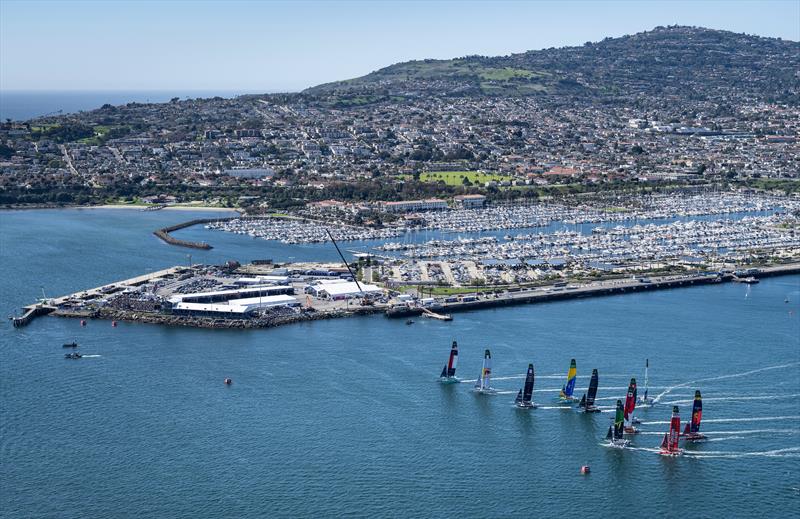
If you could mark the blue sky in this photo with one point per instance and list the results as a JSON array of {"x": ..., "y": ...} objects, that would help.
[{"x": 273, "y": 46}]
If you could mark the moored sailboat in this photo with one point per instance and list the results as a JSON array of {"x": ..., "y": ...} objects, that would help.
[
  {"x": 616, "y": 431},
  {"x": 448, "y": 375},
  {"x": 587, "y": 400},
  {"x": 525, "y": 395},
  {"x": 644, "y": 400},
  {"x": 669, "y": 445},
  {"x": 482, "y": 384},
  {"x": 692, "y": 431},
  {"x": 630, "y": 405},
  {"x": 569, "y": 387}
]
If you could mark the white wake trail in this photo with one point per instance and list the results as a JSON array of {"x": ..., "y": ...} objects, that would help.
[
  {"x": 732, "y": 420},
  {"x": 734, "y": 398},
  {"x": 723, "y": 377}
]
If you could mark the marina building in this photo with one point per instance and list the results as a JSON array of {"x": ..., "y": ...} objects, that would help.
[
  {"x": 470, "y": 201},
  {"x": 430, "y": 204}
]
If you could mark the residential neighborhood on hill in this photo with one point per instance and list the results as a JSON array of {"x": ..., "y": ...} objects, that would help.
[{"x": 674, "y": 106}]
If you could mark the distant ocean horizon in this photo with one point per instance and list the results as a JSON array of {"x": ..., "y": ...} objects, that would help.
[{"x": 21, "y": 105}]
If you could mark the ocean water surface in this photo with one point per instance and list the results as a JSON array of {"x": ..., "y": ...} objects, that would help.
[
  {"x": 20, "y": 105},
  {"x": 346, "y": 418}
]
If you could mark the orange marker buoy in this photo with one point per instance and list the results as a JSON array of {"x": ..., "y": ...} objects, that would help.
[
  {"x": 228, "y": 381},
  {"x": 585, "y": 469}
]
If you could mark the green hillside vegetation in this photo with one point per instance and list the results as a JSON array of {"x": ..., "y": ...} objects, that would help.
[
  {"x": 456, "y": 178},
  {"x": 665, "y": 61},
  {"x": 474, "y": 71}
]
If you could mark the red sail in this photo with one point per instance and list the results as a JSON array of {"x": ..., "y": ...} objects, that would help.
[
  {"x": 674, "y": 430},
  {"x": 630, "y": 402}
]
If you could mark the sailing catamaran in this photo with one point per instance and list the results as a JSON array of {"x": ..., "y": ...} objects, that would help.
[
  {"x": 669, "y": 446},
  {"x": 448, "y": 375},
  {"x": 525, "y": 394},
  {"x": 616, "y": 431},
  {"x": 569, "y": 387},
  {"x": 646, "y": 401},
  {"x": 630, "y": 405},
  {"x": 692, "y": 431},
  {"x": 482, "y": 384},
  {"x": 587, "y": 400}
]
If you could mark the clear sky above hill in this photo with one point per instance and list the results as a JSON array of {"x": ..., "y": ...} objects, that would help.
[{"x": 276, "y": 46}]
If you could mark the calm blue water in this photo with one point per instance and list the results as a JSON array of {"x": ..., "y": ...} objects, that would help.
[
  {"x": 21, "y": 105},
  {"x": 345, "y": 417}
]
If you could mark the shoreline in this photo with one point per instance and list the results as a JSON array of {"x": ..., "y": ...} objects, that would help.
[
  {"x": 538, "y": 295},
  {"x": 141, "y": 208}
]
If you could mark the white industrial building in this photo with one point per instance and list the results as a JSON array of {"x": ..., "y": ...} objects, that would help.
[
  {"x": 341, "y": 289},
  {"x": 234, "y": 307},
  {"x": 263, "y": 280},
  {"x": 221, "y": 296}
]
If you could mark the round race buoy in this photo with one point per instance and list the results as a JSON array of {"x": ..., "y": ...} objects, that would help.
[
  {"x": 585, "y": 469},
  {"x": 228, "y": 381},
  {"x": 83, "y": 323},
  {"x": 114, "y": 324}
]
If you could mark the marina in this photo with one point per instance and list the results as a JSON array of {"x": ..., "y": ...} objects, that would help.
[{"x": 130, "y": 373}]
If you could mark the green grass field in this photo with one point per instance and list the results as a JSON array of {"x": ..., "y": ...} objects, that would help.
[{"x": 456, "y": 178}]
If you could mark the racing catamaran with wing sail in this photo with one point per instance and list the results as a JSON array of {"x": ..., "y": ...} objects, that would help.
[
  {"x": 448, "y": 375},
  {"x": 644, "y": 400},
  {"x": 523, "y": 400},
  {"x": 692, "y": 431},
  {"x": 482, "y": 384},
  {"x": 669, "y": 445},
  {"x": 616, "y": 431},
  {"x": 587, "y": 400},
  {"x": 630, "y": 405},
  {"x": 569, "y": 387}
]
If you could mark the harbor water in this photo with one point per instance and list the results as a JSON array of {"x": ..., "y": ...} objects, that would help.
[{"x": 345, "y": 417}]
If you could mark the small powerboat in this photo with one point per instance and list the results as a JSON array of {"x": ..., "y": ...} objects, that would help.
[
  {"x": 72, "y": 344},
  {"x": 73, "y": 355}
]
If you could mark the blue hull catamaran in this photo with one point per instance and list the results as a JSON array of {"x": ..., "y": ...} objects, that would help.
[
  {"x": 569, "y": 387},
  {"x": 482, "y": 384},
  {"x": 586, "y": 404},
  {"x": 525, "y": 395},
  {"x": 616, "y": 431},
  {"x": 448, "y": 375},
  {"x": 692, "y": 431}
]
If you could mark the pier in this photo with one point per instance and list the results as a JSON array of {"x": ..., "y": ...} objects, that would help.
[
  {"x": 595, "y": 289},
  {"x": 30, "y": 313},
  {"x": 95, "y": 302}
]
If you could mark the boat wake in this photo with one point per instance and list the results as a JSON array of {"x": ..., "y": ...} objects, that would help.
[
  {"x": 90, "y": 356},
  {"x": 790, "y": 452},
  {"x": 737, "y": 433},
  {"x": 732, "y": 420},
  {"x": 669, "y": 389},
  {"x": 735, "y": 398}
]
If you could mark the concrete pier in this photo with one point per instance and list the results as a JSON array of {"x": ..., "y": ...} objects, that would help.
[{"x": 595, "y": 289}]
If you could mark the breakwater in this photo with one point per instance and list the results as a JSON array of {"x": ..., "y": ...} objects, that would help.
[
  {"x": 598, "y": 289},
  {"x": 164, "y": 235},
  {"x": 214, "y": 323}
]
